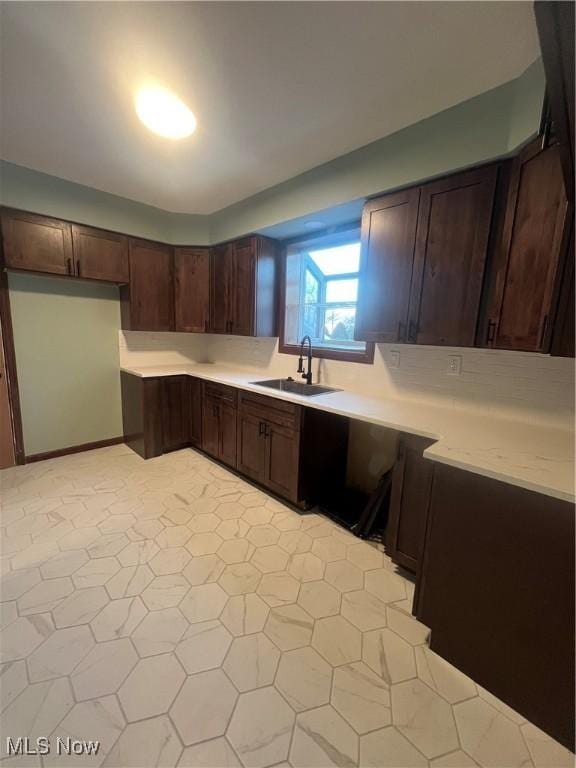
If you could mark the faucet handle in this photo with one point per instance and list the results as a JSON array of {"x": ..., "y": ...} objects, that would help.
[{"x": 300, "y": 365}]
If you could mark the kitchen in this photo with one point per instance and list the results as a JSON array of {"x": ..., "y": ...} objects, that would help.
[{"x": 291, "y": 480}]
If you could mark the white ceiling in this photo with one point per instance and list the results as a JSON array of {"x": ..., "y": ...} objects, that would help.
[{"x": 277, "y": 87}]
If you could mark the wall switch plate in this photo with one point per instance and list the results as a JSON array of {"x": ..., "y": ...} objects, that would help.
[
  {"x": 454, "y": 365},
  {"x": 394, "y": 359}
]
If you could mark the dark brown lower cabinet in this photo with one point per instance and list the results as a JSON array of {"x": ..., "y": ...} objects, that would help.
[
  {"x": 269, "y": 443},
  {"x": 142, "y": 414},
  {"x": 297, "y": 453},
  {"x": 411, "y": 484},
  {"x": 219, "y": 422},
  {"x": 175, "y": 412},
  {"x": 195, "y": 393},
  {"x": 497, "y": 591}
]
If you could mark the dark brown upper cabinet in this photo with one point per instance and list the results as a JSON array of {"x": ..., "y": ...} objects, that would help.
[
  {"x": 388, "y": 238},
  {"x": 192, "y": 289},
  {"x": 555, "y": 23},
  {"x": 100, "y": 255},
  {"x": 243, "y": 287},
  {"x": 529, "y": 258},
  {"x": 449, "y": 259},
  {"x": 221, "y": 288},
  {"x": 37, "y": 243},
  {"x": 148, "y": 302}
]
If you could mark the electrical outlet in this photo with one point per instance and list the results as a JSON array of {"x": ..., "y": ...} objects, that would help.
[
  {"x": 454, "y": 365},
  {"x": 394, "y": 359}
]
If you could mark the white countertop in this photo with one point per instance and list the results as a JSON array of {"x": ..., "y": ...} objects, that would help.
[{"x": 530, "y": 456}]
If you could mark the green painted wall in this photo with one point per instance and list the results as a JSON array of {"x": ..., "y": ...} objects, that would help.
[
  {"x": 478, "y": 130},
  {"x": 38, "y": 192},
  {"x": 66, "y": 339}
]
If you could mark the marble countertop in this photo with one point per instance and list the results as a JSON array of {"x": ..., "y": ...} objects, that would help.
[{"x": 530, "y": 456}]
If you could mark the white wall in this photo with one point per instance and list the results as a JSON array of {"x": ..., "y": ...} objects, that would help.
[{"x": 528, "y": 387}]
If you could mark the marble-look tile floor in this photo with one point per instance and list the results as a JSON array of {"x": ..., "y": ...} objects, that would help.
[{"x": 181, "y": 617}]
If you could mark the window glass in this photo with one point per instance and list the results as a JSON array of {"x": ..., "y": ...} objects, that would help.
[{"x": 321, "y": 290}]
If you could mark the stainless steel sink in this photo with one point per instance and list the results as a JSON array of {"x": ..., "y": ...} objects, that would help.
[{"x": 295, "y": 387}]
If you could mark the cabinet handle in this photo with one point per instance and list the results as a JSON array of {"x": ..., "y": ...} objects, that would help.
[
  {"x": 266, "y": 430},
  {"x": 261, "y": 429},
  {"x": 205, "y": 326},
  {"x": 400, "y": 331},
  {"x": 78, "y": 267},
  {"x": 413, "y": 332},
  {"x": 69, "y": 266},
  {"x": 491, "y": 331}
]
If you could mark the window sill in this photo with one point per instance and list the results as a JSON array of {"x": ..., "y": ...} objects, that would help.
[{"x": 346, "y": 355}]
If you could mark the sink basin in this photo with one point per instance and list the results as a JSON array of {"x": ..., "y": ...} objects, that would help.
[{"x": 296, "y": 387}]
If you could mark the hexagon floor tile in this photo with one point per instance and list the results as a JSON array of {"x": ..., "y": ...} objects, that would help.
[{"x": 182, "y": 617}]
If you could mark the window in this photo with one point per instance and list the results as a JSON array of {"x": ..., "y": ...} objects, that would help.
[{"x": 321, "y": 294}]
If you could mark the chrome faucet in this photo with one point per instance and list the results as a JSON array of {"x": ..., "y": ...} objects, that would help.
[{"x": 308, "y": 375}]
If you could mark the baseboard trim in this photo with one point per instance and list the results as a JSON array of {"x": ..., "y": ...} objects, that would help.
[{"x": 73, "y": 449}]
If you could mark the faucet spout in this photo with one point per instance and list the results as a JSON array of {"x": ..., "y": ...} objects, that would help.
[{"x": 307, "y": 376}]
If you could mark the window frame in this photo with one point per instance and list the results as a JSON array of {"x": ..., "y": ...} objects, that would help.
[{"x": 332, "y": 239}]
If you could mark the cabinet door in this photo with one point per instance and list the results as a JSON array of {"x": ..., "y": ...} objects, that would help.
[
  {"x": 175, "y": 412},
  {"x": 251, "y": 446},
  {"x": 100, "y": 255},
  {"x": 282, "y": 460},
  {"x": 221, "y": 286},
  {"x": 411, "y": 484},
  {"x": 36, "y": 243},
  {"x": 195, "y": 391},
  {"x": 192, "y": 289},
  {"x": 243, "y": 281},
  {"x": 151, "y": 294},
  {"x": 388, "y": 238},
  {"x": 211, "y": 427},
  {"x": 530, "y": 256},
  {"x": 451, "y": 245},
  {"x": 227, "y": 452}
]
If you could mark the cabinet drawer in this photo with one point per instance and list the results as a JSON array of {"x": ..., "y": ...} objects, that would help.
[
  {"x": 220, "y": 393},
  {"x": 275, "y": 411}
]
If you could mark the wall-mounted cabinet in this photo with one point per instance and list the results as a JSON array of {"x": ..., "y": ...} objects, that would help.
[
  {"x": 100, "y": 255},
  {"x": 423, "y": 255},
  {"x": 148, "y": 301},
  {"x": 530, "y": 255},
  {"x": 449, "y": 258},
  {"x": 192, "y": 289},
  {"x": 37, "y": 243},
  {"x": 243, "y": 287},
  {"x": 52, "y": 246}
]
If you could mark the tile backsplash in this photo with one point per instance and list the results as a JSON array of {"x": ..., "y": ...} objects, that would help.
[{"x": 517, "y": 385}]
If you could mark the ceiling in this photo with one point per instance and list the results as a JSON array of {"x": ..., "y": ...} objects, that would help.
[{"x": 277, "y": 87}]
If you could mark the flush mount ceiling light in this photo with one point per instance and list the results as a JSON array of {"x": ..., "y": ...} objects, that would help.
[{"x": 164, "y": 113}]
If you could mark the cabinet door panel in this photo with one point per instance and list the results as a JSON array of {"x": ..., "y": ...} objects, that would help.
[
  {"x": 251, "y": 446},
  {"x": 243, "y": 288},
  {"x": 100, "y": 255},
  {"x": 451, "y": 245},
  {"x": 227, "y": 452},
  {"x": 388, "y": 238},
  {"x": 221, "y": 275},
  {"x": 411, "y": 484},
  {"x": 533, "y": 244},
  {"x": 210, "y": 427},
  {"x": 192, "y": 289},
  {"x": 151, "y": 294},
  {"x": 282, "y": 461},
  {"x": 36, "y": 243},
  {"x": 195, "y": 392},
  {"x": 175, "y": 412}
]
